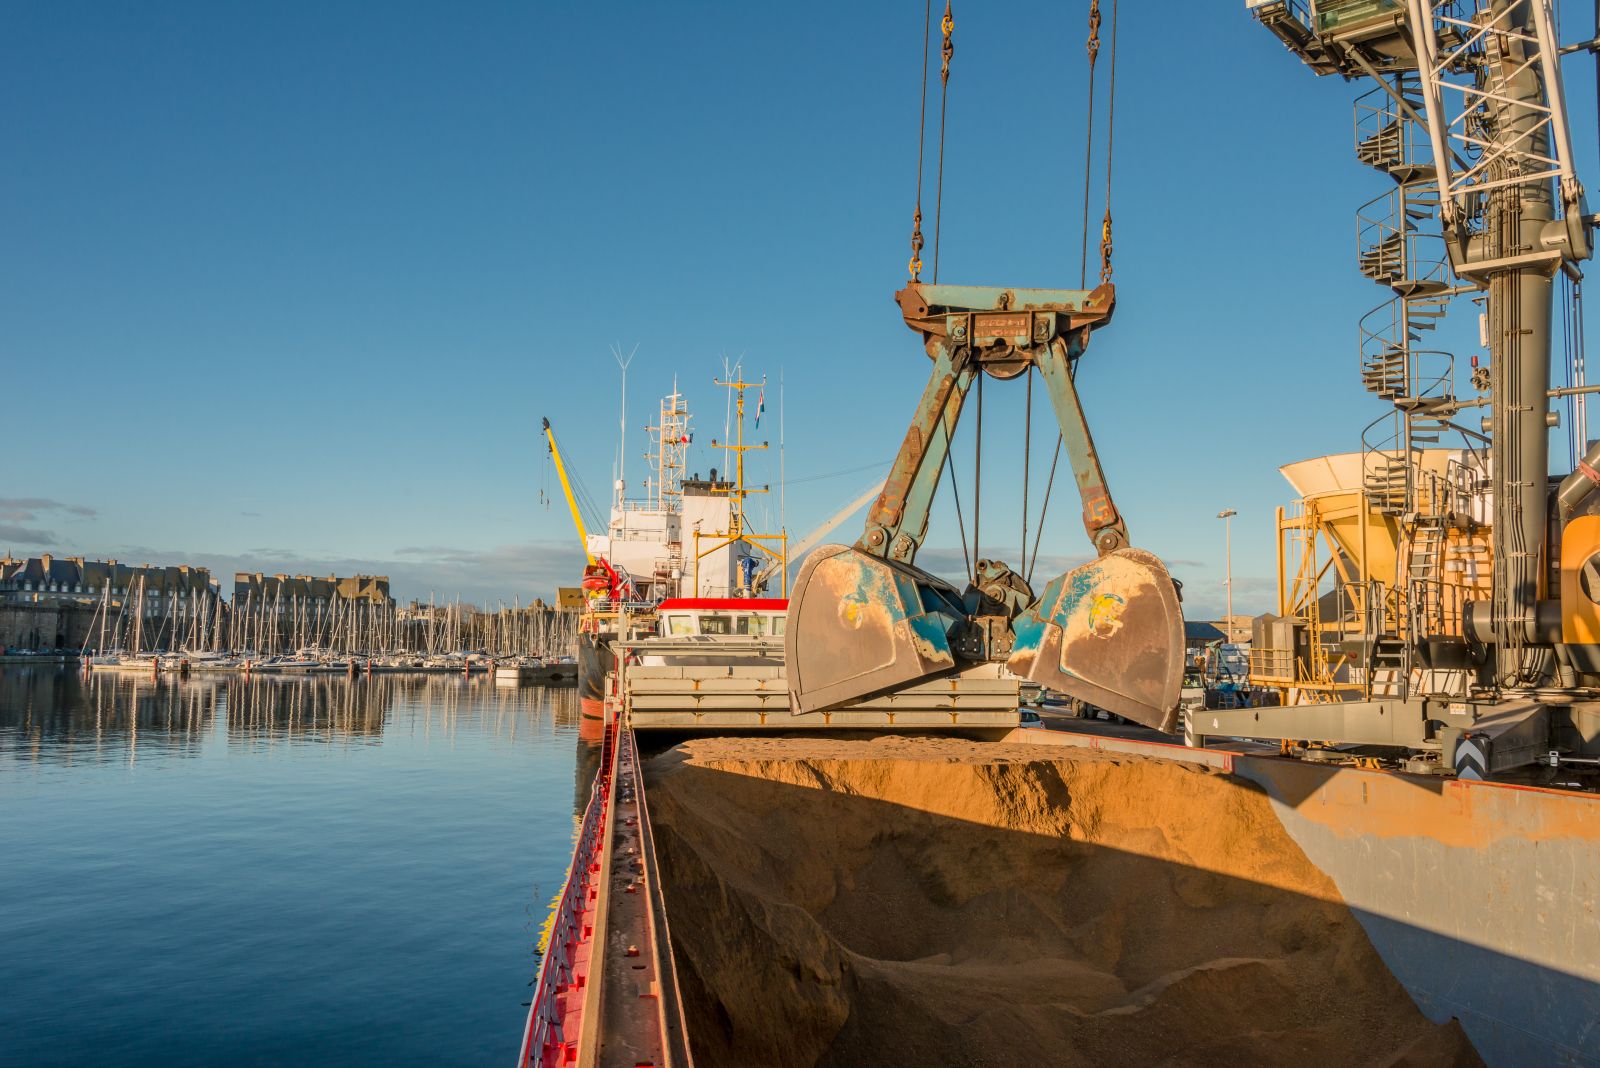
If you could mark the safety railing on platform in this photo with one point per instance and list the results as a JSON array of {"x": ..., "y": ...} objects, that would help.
[
  {"x": 1391, "y": 249},
  {"x": 1385, "y": 136},
  {"x": 1298, "y": 10},
  {"x": 1334, "y": 16},
  {"x": 615, "y": 608},
  {"x": 1303, "y": 655},
  {"x": 1386, "y": 467},
  {"x": 544, "y": 1041}
]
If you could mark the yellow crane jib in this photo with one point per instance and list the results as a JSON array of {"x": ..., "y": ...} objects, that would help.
[{"x": 566, "y": 488}]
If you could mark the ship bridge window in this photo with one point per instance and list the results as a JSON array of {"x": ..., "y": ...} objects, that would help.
[
  {"x": 678, "y": 626},
  {"x": 716, "y": 624},
  {"x": 756, "y": 625}
]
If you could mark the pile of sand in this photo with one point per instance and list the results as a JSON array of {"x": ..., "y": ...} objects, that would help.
[{"x": 936, "y": 901}]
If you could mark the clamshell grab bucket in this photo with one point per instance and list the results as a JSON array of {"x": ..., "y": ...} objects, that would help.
[
  {"x": 1109, "y": 633},
  {"x": 860, "y": 625}
]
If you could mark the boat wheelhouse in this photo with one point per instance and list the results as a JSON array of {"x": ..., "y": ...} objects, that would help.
[
  {"x": 708, "y": 631},
  {"x": 713, "y": 617}
]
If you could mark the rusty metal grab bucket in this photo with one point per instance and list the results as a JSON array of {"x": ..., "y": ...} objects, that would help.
[
  {"x": 868, "y": 626},
  {"x": 1109, "y": 633}
]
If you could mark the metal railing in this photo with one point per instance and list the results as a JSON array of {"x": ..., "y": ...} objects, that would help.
[
  {"x": 1432, "y": 374},
  {"x": 1390, "y": 248},
  {"x": 1383, "y": 338},
  {"x": 1385, "y": 136},
  {"x": 1386, "y": 467},
  {"x": 1335, "y": 15},
  {"x": 1300, "y": 11},
  {"x": 544, "y": 1041}
]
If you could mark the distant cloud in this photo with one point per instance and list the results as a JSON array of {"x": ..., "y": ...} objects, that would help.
[
  {"x": 481, "y": 576},
  {"x": 440, "y": 552},
  {"x": 28, "y": 509},
  {"x": 253, "y": 515},
  {"x": 16, "y": 535},
  {"x": 274, "y": 554}
]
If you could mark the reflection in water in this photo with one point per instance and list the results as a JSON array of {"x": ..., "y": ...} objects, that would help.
[
  {"x": 58, "y": 715},
  {"x": 319, "y": 707},
  {"x": 50, "y": 714},
  {"x": 318, "y": 871},
  {"x": 591, "y": 732}
]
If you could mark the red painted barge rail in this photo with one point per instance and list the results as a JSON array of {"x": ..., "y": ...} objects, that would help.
[{"x": 607, "y": 992}]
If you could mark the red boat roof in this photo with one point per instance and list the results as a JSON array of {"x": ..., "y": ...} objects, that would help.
[{"x": 758, "y": 604}]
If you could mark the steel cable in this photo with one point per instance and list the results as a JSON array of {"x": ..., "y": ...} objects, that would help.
[
  {"x": 1093, "y": 47},
  {"x": 977, "y": 477},
  {"x": 1111, "y": 134},
  {"x": 946, "y": 50},
  {"x": 1043, "y": 509},
  {"x": 915, "y": 266},
  {"x": 1027, "y": 456},
  {"x": 961, "y": 523}
]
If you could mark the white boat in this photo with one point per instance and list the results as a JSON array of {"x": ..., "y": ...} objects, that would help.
[
  {"x": 285, "y": 665},
  {"x": 717, "y": 630},
  {"x": 143, "y": 663}
]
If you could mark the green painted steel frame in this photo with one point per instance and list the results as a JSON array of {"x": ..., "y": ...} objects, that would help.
[{"x": 968, "y": 330}]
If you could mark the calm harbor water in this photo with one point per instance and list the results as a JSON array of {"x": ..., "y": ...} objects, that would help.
[{"x": 313, "y": 871}]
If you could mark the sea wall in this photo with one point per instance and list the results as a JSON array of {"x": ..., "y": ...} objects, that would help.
[{"x": 44, "y": 626}]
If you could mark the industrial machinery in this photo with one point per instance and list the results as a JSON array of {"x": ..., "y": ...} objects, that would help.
[
  {"x": 864, "y": 620},
  {"x": 1470, "y": 619}
]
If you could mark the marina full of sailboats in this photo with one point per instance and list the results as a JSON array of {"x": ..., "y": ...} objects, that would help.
[
  {"x": 298, "y": 634},
  {"x": 686, "y": 536}
]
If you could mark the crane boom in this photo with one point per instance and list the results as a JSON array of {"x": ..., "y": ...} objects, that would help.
[
  {"x": 566, "y": 488},
  {"x": 812, "y": 540}
]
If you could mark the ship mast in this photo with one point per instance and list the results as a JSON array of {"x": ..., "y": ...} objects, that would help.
[
  {"x": 774, "y": 546},
  {"x": 671, "y": 434},
  {"x": 619, "y": 486}
]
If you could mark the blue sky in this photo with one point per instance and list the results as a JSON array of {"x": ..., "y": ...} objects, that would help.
[{"x": 289, "y": 287}]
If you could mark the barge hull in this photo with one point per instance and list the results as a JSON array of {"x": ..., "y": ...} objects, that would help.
[{"x": 1482, "y": 898}]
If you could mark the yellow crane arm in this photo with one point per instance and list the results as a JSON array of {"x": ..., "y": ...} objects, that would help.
[{"x": 566, "y": 488}]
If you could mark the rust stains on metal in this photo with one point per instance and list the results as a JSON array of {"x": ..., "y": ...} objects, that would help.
[
  {"x": 1109, "y": 633},
  {"x": 862, "y": 598},
  {"x": 858, "y": 626},
  {"x": 889, "y": 506}
]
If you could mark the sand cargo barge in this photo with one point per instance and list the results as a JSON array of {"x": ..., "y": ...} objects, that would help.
[
  {"x": 834, "y": 900},
  {"x": 1412, "y": 895}
]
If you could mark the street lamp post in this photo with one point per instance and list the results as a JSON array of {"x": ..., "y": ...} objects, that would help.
[{"x": 1226, "y": 515}]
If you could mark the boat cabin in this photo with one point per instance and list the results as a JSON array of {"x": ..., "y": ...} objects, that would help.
[{"x": 746, "y": 617}]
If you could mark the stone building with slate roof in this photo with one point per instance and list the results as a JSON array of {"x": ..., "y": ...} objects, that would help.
[
  {"x": 258, "y": 588},
  {"x": 50, "y": 601},
  {"x": 54, "y": 579}
]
